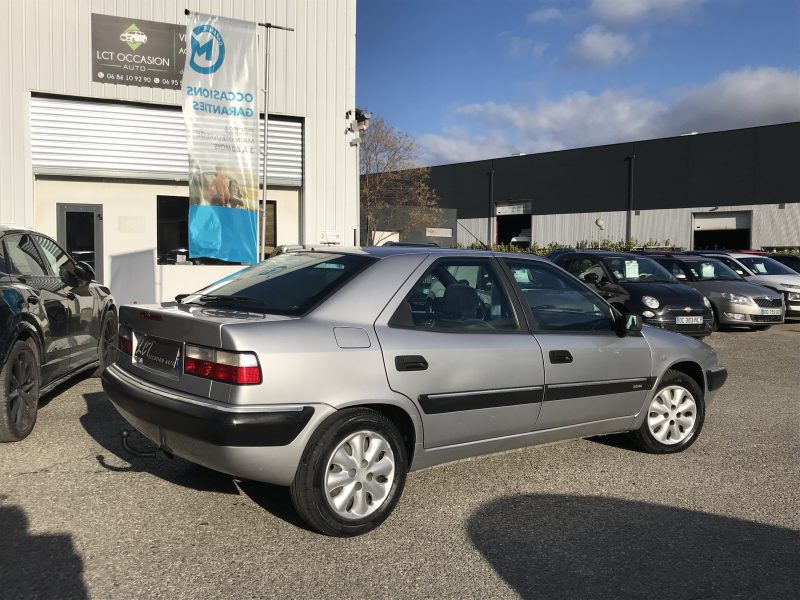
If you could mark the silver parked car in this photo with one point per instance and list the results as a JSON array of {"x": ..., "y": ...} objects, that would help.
[
  {"x": 735, "y": 301},
  {"x": 337, "y": 371}
]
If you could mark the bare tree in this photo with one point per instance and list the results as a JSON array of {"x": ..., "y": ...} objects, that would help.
[{"x": 395, "y": 192}]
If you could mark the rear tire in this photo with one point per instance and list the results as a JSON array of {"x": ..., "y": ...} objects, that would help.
[
  {"x": 107, "y": 344},
  {"x": 19, "y": 391},
  {"x": 674, "y": 416},
  {"x": 352, "y": 473}
]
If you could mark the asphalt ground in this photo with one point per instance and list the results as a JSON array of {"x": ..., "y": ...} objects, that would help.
[{"x": 79, "y": 518}]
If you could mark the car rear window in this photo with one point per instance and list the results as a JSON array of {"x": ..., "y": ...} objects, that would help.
[{"x": 287, "y": 284}]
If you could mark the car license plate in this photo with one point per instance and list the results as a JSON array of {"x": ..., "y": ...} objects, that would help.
[
  {"x": 157, "y": 353},
  {"x": 688, "y": 320},
  {"x": 770, "y": 311}
]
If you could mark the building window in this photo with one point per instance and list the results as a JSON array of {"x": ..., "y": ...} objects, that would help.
[{"x": 270, "y": 226}]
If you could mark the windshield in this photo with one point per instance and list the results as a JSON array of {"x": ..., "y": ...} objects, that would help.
[
  {"x": 763, "y": 265},
  {"x": 793, "y": 262},
  {"x": 711, "y": 270},
  {"x": 637, "y": 270},
  {"x": 287, "y": 284}
]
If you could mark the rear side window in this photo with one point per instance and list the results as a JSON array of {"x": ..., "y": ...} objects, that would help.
[
  {"x": 24, "y": 257},
  {"x": 287, "y": 284}
]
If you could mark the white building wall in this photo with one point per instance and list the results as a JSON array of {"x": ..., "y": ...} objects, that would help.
[{"x": 312, "y": 75}]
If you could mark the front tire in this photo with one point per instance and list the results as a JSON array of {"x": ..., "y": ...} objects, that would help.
[
  {"x": 19, "y": 392},
  {"x": 352, "y": 473},
  {"x": 674, "y": 416}
]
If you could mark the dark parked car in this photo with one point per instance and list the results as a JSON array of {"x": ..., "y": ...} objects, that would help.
[
  {"x": 56, "y": 322},
  {"x": 734, "y": 300},
  {"x": 790, "y": 260},
  {"x": 637, "y": 284}
]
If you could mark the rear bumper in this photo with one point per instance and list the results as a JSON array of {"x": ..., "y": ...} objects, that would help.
[
  {"x": 205, "y": 422},
  {"x": 715, "y": 378},
  {"x": 260, "y": 443}
]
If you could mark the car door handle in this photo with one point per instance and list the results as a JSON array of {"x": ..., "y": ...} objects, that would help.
[
  {"x": 70, "y": 296},
  {"x": 411, "y": 363},
  {"x": 32, "y": 300},
  {"x": 558, "y": 357}
]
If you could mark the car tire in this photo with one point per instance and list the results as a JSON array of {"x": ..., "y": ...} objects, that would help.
[
  {"x": 330, "y": 470},
  {"x": 107, "y": 344},
  {"x": 674, "y": 415},
  {"x": 19, "y": 391},
  {"x": 759, "y": 327}
]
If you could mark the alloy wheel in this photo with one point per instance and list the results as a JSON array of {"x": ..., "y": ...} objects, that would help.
[{"x": 23, "y": 393}]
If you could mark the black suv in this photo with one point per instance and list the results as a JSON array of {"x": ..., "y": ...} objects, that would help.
[
  {"x": 639, "y": 285},
  {"x": 55, "y": 322}
]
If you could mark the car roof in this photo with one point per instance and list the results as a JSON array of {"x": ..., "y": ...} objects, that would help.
[
  {"x": 609, "y": 253},
  {"x": 381, "y": 252},
  {"x": 4, "y": 227}
]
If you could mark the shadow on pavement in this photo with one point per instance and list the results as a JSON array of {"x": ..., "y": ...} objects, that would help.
[
  {"x": 36, "y": 566},
  {"x": 274, "y": 499},
  {"x": 104, "y": 424},
  {"x": 547, "y": 546}
]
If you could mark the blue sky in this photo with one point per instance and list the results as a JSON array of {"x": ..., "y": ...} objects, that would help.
[{"x": 474, "y": 79}]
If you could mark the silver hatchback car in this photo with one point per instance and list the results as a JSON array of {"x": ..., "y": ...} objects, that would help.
[{"x": 337, "y": 371}]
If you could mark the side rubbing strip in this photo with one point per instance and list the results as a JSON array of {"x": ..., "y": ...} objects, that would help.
[
  {"x": 582, "y": 390},
  {"x": 435, "y": 404}
]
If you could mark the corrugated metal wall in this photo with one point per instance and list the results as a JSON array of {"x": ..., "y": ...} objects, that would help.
[
  {"x": 73, "y": 137},
  {"x": 312, "y": 76}
]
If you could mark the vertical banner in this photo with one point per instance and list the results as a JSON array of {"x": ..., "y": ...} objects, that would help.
[{"x": 221, "y": 115}]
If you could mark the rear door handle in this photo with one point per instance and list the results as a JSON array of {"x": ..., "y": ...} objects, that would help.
[
  {"x": 558, "y": 357},
  {"x": 410, "y": 363}
]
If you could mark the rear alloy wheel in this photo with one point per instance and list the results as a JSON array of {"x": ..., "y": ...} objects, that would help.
[
  {"x": 107, "y": 345},
  {"x": 674, "y": 417},
  {"x": 19, "y": 392},
  {"x": 351, "y": 475}
]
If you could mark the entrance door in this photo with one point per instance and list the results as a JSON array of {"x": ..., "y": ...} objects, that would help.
[{"x": 80, "y": 231}]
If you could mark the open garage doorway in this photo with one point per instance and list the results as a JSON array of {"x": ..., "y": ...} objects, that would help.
[
  {"x": 722, "y": 231},
  {"x": 513, "y": 226}
]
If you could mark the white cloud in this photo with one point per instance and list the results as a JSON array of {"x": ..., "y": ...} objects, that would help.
[
  {"x": 598, "y": 48},
  {"x": 622, "y": 12},
  {"x": 522, "y": 47},
  {"x": 545, "y": 15},
  {"x": 744, "y": 98}
]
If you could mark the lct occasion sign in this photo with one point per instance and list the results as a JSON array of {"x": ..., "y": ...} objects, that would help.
[
  {"x": 136, "y": 52},
  {"x": 220, "y": 111}
]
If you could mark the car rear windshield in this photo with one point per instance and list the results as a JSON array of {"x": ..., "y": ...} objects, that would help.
[
  {"x": 763, "y": 265},
  {"x": 287, "y": 284}
]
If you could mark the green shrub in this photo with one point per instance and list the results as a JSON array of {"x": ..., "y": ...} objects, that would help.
[{"x": 616, "y": 246}]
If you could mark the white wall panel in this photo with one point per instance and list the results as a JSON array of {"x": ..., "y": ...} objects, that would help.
[{"x": 47, "y": 50}]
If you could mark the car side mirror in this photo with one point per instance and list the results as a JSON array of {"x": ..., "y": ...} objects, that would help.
[
  {"x": 592, "y": 278},
  {"x": 627, "y": 324},
  {"x": 84, "y": 272}
]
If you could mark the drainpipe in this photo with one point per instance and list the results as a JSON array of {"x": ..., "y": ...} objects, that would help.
[{"x": 489, "y": 237}]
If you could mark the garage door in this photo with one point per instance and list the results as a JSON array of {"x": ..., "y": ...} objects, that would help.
[{"x": 722, "y": 221}]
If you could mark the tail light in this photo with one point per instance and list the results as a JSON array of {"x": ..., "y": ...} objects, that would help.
[
  {"x": 125, "y": 340},
  {"x": 238, "y": 368}
]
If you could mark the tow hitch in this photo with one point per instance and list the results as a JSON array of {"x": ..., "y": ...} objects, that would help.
[{"x": 125, "y": 434}]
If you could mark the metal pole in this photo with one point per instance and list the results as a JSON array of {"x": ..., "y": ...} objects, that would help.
[
  {"x": 631, "y": 160},
  {"x": 262, "y": 214}
]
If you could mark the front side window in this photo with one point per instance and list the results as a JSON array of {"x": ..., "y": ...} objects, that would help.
[
  {"x": 587, "y": 268},
  {"x": 24, "y": 257},
  {"x": 634, "y": 269},
  {"x": 558, "y": 302},
  {"x": 60, "y": 264},
  {"x": 287, "y": 284},
  {"x": 457, "y": 295}
]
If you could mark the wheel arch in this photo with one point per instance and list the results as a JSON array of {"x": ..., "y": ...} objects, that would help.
[
  {"x": 402, "y": 417},
  {"x": 694, "y": 371}
]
